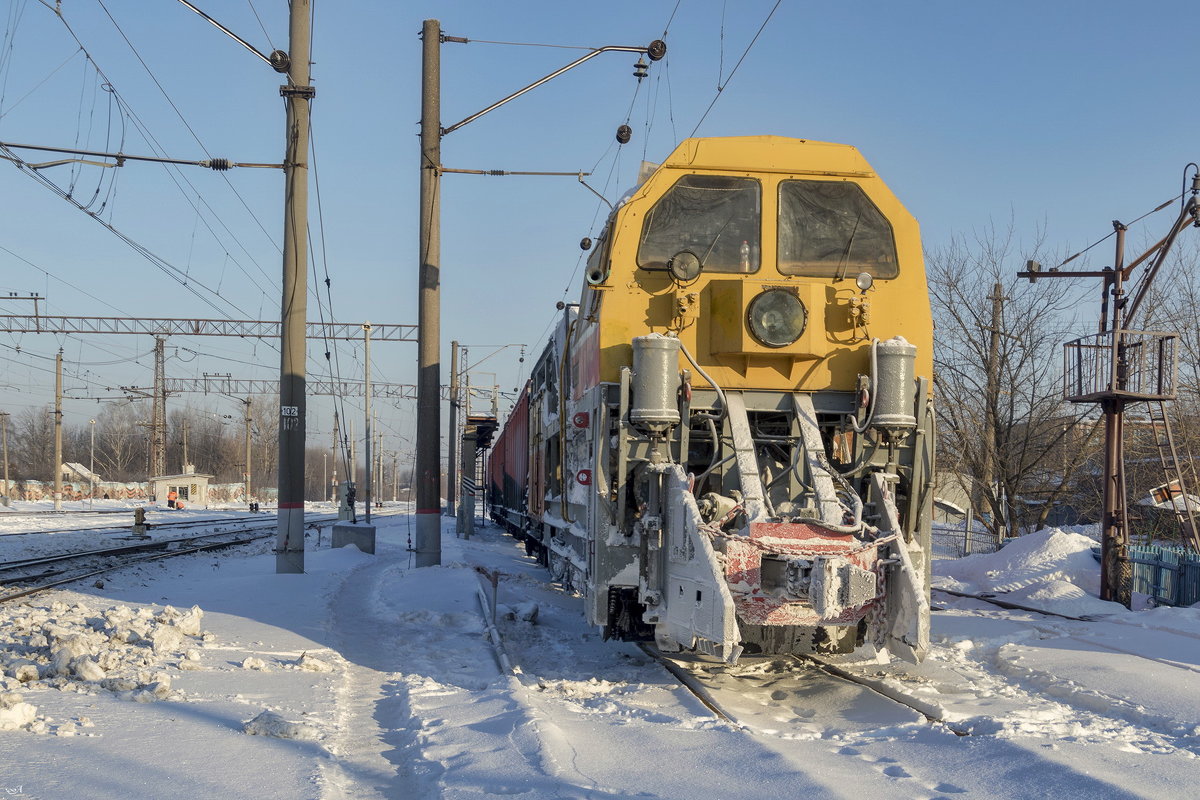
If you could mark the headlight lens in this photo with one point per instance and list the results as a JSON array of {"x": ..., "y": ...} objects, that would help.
[{"x": 776, "y": 318}]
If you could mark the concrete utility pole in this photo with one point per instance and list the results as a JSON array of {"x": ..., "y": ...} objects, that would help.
[
  {"x": 4, "y": 433},
  {"x": 185, "y": 443},
  {"x": 246, "y": 444},
  {"x": 289, "y": 543},
  {"x": 452, "y": 439},
  {"x": 367, "y": 415},
  {"x": 92, "y": 462},
  {"x": 465, "y": 477},
  {"x": 158, "y": 418},
  {"x": 333, "y": 498},
  {"x": 58, "y": 431},
  {"x": 429, "y": 424},
  {"x": 428, "y": 472}
]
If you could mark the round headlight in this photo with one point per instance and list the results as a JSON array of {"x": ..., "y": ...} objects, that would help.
[
  {"x": 684, "y": 266},
  {"x": 776, "y": 318}
]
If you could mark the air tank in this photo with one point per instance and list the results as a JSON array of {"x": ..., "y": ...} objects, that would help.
[
  {"x": 654, "y": 407},
  {"x": 895, "y": 390}
]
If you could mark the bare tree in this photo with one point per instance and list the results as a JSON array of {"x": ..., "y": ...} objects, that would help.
[
  {"x": 120, "y": 442},
  {"x": 32, "y": 446},
  {"x": 998, "y": 379}
]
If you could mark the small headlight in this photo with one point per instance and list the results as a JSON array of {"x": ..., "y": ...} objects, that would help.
[{"x": 776, "y": 318}]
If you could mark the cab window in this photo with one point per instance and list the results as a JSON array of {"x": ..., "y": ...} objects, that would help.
[
  {"x": 832, "y": 229},
  {"x": 714, "y": 216}
]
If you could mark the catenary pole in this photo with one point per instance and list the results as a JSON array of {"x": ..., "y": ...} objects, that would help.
[
  {"x": 428, "y": 533},
  {"x": 4, "y": 423},
  {"x": 452, "y": 449},
  {"x": 92, "y": 462},
  {"x": 246, "y": 445},
  {"x": 367, "y": 416},
  {"x": 289, "y": 545},
  {"x": 58, "y": 430}
]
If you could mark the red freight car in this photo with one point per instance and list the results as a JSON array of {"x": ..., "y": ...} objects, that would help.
[{"x": 508, "y": 469}]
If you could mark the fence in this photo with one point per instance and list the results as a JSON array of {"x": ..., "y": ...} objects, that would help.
[
  {"x": 956, "y": 541},
  {"x": 1171, "y": 575}
]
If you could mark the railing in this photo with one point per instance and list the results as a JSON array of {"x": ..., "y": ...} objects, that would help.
[
  {"x": 1170, "y": 575},
  {"x": 1143, "y": 367},
  {"x": 953, "y": 541}
]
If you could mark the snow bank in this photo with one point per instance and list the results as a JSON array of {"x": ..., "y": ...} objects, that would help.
[
  {"x": 1049, "y": 569},
  {"x": 1047, "y": 555},
  {"x": 119, "y": 650}
]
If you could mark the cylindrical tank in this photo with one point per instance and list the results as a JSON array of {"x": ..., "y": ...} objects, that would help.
[
  {"x": 895, "y": 390},
  {"x": 654, "y": 407}
]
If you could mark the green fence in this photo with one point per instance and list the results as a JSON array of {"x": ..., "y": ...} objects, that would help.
[{"x": 1168, "y": 574}]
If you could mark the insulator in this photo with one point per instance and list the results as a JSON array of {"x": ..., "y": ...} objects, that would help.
[
  {"x": 280, "y": 61},
  {"x": 624, "y": 134},
  {"x": 639, "y": 69},
  {"x": 585, "y": 243},
  {"x": 657, "y": 49},
  {"x": 219, "y": 164}
]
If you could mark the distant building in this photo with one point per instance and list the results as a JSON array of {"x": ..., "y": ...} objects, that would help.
[
  {"x": 77, "y": 473},
  {"x": 190, "y": 488}
]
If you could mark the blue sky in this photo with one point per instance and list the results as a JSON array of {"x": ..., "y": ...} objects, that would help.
[{"x": 1060, "y": 116}]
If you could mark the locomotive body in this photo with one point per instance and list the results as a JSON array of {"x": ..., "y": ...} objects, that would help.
[{"x": 727, "y": 445}]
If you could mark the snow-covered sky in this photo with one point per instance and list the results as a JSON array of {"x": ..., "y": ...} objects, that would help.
[
  {"x": 1064, "y": 115},
  {"x": 211, "y": 676}
]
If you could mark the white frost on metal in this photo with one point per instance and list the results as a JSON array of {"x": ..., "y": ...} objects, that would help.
[
  {"x": 747, "y": 463},
  {"x": 907, "y": 596},
  {"x": 806, "y": 416},
  {"x": 698, "y": 602}
]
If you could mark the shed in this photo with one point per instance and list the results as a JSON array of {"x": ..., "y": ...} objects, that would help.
[{"x": 190, "y": 487}]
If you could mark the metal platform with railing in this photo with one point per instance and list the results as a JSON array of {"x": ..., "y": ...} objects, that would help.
[{"x": 1144, "y": 367}]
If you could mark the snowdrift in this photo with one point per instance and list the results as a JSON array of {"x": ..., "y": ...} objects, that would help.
[{"x": 1050, "y": 569}]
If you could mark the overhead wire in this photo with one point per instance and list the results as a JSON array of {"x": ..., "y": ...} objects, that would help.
[
  {"x": 721, "y": 87},
  {"x": 163, "y": 265},
  {"x": 197, "y": 139},
  {"x": 4, "y": 111}
]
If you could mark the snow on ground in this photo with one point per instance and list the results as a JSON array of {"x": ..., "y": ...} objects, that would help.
[{"x": 212, "y": 676}]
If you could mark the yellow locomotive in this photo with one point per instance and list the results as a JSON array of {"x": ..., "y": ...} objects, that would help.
[{"x": 727, "y": 444}]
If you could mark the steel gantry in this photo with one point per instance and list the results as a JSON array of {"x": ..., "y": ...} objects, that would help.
[{"x": 239, "y": 328}]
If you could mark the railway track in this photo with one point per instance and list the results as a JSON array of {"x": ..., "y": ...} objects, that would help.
[
  {"x": 66, "y": 568},
  {"x": 152, "y": 518},
  {"x": 760, "y": 694},
  {"x": 711, "y": 698}
]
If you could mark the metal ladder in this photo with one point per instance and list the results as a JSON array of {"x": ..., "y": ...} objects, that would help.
[{"x": 1168, "y": 456}]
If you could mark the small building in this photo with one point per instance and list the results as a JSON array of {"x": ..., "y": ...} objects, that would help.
[
  {"x": 191, "y": 488},
  {"x": 73, "y": 472}
]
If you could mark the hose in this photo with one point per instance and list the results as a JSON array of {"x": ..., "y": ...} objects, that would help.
[
  {"x": 874, "y": 386},
  {"x": 720, "y": 392}
]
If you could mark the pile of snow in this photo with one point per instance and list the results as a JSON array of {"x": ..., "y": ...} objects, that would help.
[
  {"x": 119, "y": 650},
  {"x": 1050, "y": 569},
  {"x": 268, "y": 723}
]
